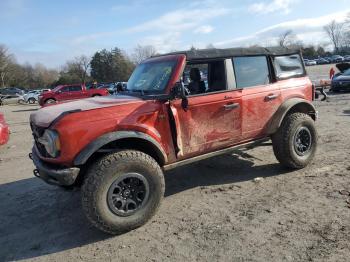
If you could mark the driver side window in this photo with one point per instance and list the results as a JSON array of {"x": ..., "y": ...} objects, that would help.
[{"x": 207, "y": 77}]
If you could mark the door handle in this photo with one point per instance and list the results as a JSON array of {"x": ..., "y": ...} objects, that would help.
[
  {"x": 231, "y": 106},
  {"x": 271, "y": 97}
]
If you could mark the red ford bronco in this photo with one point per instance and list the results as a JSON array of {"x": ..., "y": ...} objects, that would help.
[
  {"x": 70, "y": 92},
  {"x": 117, "y": 147}
]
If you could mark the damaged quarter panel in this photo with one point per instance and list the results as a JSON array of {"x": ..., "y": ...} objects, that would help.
[
  {"x": 207, "y": 124},
  {"x": 296, "y": 87}
]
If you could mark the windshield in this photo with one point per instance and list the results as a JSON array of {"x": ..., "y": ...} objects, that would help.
[
  {"x": 151, "y": 77},
  {"x": 56, "y": 88}
]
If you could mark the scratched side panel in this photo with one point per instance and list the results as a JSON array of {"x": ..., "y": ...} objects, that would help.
[
  {"x": 258, "y": 110},
  {"x": 206, "y": 125},
  {"x": 296, "y": 87}
]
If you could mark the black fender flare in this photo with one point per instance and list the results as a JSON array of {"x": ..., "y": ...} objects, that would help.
[
  {"x": 103, "y": 140},
  {"x": 283, "y": 110}
]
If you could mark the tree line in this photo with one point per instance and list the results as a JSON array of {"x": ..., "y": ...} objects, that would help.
[
  {"x": 116, "y": 65},
  {"x": 104, "y": 66},
  {"x": 338, "y": 34}
]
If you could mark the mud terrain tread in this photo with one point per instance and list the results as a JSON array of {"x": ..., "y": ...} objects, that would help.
[
  {"x": 94, "y": 179},
  {"x": 280, "y": 141}
]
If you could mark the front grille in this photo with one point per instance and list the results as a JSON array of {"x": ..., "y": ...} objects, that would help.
[{"x": 38, "y": 132}]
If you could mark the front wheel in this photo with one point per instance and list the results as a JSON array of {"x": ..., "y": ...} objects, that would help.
[
  {"x": 295, "y": 142},
  {"x": 31, "y": 100},
  {"x": 122, "y": 191},
  {"x": 50, "y": 101}
]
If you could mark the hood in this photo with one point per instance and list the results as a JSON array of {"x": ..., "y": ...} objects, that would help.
[
  {"x": 341, "y": 78},
  {"x": 342, "y": 66},
  {"x": 46, "y": 115}
]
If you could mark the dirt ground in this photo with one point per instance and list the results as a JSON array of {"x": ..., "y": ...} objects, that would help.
[{"x": 212, "y": 210}]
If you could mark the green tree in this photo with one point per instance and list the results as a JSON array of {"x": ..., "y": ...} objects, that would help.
[{"x": 111, "y": 66}]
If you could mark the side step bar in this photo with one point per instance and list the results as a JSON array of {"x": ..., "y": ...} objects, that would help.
[{"x": 215, "y": 153}]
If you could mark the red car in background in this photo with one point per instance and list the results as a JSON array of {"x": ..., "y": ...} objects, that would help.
[
  {"x": 4, "y": 130},
  {"x": 70, "y": 92}
]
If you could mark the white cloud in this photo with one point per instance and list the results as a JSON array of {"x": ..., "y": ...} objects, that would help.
[
  {"x": 204, "y": 29},
  {"x": 275, "y": 6},
  {"x": 181, "y": 19},
  {"x": 308, "y": 30},
  {"x": 167, "y": 29},
  {"x": 163, "y": 42}
]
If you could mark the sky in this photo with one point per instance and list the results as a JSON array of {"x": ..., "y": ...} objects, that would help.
[{"x": 52, "y": 32}]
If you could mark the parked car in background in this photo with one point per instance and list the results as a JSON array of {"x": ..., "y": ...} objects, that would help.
[
  {"x": 11, "y": 91},
  {"x": 309, "y": 62},
  {"x": 337, "y": 59},
  {"x": 322, "y": 61},
  {"x": 347, "y": 58},
  {"x": 117, "y": 87},
  {"x": 4, "y": 130},
  {"x": 70, "y": 92},
  {"x": 32, "y": 96},
  {"x": 341, "y": 81},
  {"x": 11, "y": 99}
]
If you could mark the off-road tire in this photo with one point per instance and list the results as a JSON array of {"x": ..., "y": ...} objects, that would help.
[
  {"x": 283, "y": 141},
  {"x": 102, "y": 174}
]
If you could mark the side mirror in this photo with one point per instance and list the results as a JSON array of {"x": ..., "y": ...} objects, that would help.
[
  {"x": 58, "y": 91},
  {"x": 178, "y": 91}
]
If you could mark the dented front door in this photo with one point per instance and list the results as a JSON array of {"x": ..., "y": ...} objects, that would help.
[{"x": 212, "y": 121}]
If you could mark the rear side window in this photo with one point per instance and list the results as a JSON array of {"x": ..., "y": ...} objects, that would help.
[
  {"x": 288, "y": 66},
  {"x": 251, "y": 71}
]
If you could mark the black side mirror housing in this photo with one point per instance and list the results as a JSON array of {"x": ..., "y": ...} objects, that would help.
[{"x": 178, "y": 91}]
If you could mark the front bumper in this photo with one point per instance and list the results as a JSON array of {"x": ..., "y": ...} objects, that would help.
[
  {"x": 336, "y": 86},
  {"x": 52, "y": 174}
]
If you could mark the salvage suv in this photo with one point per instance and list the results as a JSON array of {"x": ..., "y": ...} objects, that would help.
[{"x": 117, "y": 148}]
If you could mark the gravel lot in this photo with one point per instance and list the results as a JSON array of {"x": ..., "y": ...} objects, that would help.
[{"x": 212, "y": 211}]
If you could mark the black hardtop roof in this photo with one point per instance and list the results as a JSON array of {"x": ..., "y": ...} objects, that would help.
[{"x": 229, "y": 52}]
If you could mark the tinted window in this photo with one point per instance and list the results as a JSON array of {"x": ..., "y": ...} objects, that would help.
[
  {"x": 75, "y": 88},
  {"x": 251, "y": 71},
  {"x": 288, "y": 66},
  {"x": 65, "y": 89}
]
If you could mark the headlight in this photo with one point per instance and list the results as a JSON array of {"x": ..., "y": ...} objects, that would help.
[{"x": 51, "y": 141}]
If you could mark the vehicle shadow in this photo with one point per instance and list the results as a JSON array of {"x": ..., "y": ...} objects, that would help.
[
  {"x": 221, "y": 170},
  {"x": 37, "y": 219}
]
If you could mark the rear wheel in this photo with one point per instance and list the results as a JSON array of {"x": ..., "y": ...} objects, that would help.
[
  {"x": 295, "y": 142},
  {"x": 122, "y": 191}
]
